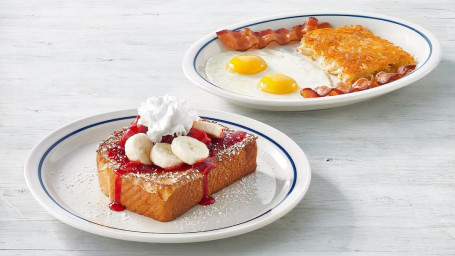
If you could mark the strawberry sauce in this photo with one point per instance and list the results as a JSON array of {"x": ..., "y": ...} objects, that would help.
[
  {"x": 205, "y": 168},
  {"x": 116, "y": 205},
  {"x": 215, "y": 145}
]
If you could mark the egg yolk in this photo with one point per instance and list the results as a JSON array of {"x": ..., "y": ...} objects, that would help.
[
  {"x": 246, "y": 64},
  {"x": 277, "y": 84}
]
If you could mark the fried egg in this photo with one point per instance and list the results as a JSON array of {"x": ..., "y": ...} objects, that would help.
[{"x": 264, "y": 73}]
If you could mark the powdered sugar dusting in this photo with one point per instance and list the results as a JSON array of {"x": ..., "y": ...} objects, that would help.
[
  {"x": 151, "y": 182},
  {"x": 243, "y": 200},
  {"x": 70, "y": 176}
]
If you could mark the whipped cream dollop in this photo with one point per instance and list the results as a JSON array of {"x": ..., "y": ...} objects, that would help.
[{"x": 166, "y": 115}]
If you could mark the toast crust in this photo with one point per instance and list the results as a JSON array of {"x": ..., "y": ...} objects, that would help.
[{"x": 167, "y": 195}]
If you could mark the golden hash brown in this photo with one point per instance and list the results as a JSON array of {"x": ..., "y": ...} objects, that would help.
[{"x": 353, "y": 52}]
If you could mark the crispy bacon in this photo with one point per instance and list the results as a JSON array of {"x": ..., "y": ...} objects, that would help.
[
  {"x": 323, "y": 90},
  {"x": 344, "y": 87},
  {"x": 320, "y": 91},
  {"x": 383, "y": 77},
  {"x": 335, "y": 92},
  {"x": 245, "y": 38},
  {"x": 359, "y": 85},
  {"x": 404, "y": 70},
  {"x": 309, "y": 93}
]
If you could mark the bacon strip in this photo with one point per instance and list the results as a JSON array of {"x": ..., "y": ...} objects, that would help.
[
  {"x": 323, "y": 90},
  {"x": 245, "y": 38},
  {"x": 359, "y": 85},
  {"x": 383, "y": 77}
]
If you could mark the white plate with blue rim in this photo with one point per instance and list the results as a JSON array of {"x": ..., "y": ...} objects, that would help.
[
  {"x": 411, "y": 37},
  {"x": 61, "y": 174}
]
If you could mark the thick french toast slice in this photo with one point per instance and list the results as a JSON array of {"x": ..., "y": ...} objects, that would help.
[{"x": 166, "y": 195}]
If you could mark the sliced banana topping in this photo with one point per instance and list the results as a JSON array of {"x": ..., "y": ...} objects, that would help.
[
  {"x": 189, "y": 149},
  {"x": 212, "y": 129},
  {"x": 163, "y": 156},
  {"x": 138, "y": 147}
]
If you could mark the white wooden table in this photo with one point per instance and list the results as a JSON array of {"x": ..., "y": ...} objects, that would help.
[{"x": 383, "y": 170}]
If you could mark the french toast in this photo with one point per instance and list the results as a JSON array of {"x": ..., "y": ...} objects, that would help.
[
  {"x": 353, "y": 52},
  {"x": 166, "y": 194}
]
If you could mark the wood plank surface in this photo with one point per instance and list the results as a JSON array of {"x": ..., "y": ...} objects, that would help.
[{"x": 383, "y": 170}]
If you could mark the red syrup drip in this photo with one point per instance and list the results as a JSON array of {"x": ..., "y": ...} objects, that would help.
[
  {"x": 116, "y": 205},
  {"x": 204, "y": 168},
  {"x": 117, "y": 153}
]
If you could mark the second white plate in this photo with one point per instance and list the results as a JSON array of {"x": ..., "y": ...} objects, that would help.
[
  {"x": 414, "y": 39},
  {"x": 61, "y": 174}
]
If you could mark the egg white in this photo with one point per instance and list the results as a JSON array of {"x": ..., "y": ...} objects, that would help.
[{"x": 303, "y": 72}]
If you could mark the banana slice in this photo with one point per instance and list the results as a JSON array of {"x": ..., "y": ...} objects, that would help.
[
  {"x": 212, "y": 129},
  {"x": 189, "y": 149},
  {"x": 162, "y": 156},
  {"x": 138, "y": 147}
]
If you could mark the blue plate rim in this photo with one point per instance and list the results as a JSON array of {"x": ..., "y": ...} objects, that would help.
[
  {"x": 93, "y": 124},
  {"x": 423, "y": 35}
]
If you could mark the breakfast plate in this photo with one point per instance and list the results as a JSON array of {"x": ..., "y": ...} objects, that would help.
[
  {"x": 414, "y": 39},
  {"x": 61, "y": 174}
]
